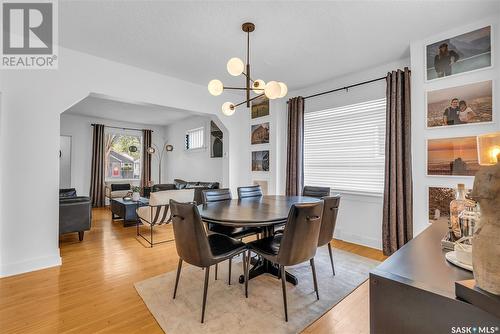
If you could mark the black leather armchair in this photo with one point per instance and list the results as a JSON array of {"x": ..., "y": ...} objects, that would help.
[{"x": 75, "y": 215}]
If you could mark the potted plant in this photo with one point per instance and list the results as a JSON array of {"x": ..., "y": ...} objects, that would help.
[{"x": 136, "y": 193}]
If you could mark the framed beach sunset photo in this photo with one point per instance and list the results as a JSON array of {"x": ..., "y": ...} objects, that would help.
[
  {"x": 452, "y": 156},
  {"x": 460, "y": 105},
  {"x": 466, "y": 52}
]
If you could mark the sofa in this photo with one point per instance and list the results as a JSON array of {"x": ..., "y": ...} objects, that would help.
[
  {"x": 179, "y": 184},
  {"x": 75, "y": 212}
]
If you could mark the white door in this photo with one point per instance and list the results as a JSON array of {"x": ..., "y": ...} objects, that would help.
[{"x": 65, "y": 162}]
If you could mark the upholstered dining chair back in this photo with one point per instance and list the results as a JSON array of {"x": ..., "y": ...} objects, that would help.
[
  {"x": 319, "y": 192},
  {"x": 190, "y": 236},
  {"x": 216, "y": 195},
  {"x": 329, "y": 219},
  {"x": 300, "y": 237},
  {"x": 249, "y": 191}
]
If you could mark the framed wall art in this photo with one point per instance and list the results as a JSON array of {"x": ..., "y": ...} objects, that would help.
[
  {"x": 462, "y": 53},
  {"x": 460, "y": 105}
]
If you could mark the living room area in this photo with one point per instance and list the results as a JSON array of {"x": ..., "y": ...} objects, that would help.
[
  {"x": 146, "y": 148},
  {"x": 253, "y": 167}
]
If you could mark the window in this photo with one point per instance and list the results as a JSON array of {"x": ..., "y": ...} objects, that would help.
[
  {"x": 123, "y": 156},
  {"x": 195, "y": 138},
  {"x": 344, "y": 147}
]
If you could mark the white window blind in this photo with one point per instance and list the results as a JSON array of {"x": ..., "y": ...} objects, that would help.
[
  {"x": 194, "y": 139},
  {"x": 344, "y": 147}
]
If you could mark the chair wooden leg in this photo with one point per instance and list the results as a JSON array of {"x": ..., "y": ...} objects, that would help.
[
  {"x": 205, "y": 289},
  {"x": 179, "y": 266},
  {"x": 331, "y": 258},
  {"x": 216, "y": 270},
  {"x": 229, "y": 278},
  {"x": 283, "y": 286},
  {"x": 80, "y": 235},
  {"x": 247, "y": 269},
  {"x": 313, "y": 269}
]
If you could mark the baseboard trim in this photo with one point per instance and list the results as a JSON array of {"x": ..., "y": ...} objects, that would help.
[
  {"x": 30, "y": 265},
  {"x": 358, "y": 239}
]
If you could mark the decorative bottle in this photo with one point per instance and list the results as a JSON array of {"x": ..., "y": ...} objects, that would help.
[{"x": 457, "y": 205}]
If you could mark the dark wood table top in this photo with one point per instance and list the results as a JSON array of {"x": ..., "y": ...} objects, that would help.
[
  {"x": 421, "y": 264},
  {"x": 254, "y": 211}
]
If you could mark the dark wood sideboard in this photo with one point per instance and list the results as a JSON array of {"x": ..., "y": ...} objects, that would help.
[{"x": 413, "y": 291}]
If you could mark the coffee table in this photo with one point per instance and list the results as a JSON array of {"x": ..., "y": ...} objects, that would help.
[{"x": 126, "y": 210}]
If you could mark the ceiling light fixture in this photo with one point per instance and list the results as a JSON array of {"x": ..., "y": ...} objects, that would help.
[{"x": 235, "y": 67}]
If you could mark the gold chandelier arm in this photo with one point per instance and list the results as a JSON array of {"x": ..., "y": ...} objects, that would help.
[
  {"x": 237, "y": 88},
  {"x": 252, "y": 80}
]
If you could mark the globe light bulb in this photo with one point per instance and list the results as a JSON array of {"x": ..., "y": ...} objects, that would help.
[
  {"x": 272, "y": 90},
  {"x": 235, "y": 66},
  {"x": 284, "y": 89},
  {"x": 258, "y": 86},
  {"x": 215, "y": 87},
  {"x": 228, "y": 108}
]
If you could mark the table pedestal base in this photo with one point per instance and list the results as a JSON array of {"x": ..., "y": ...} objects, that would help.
[
  {"x": 263, "y": 266},
  {"x": 266, "y": 267}
]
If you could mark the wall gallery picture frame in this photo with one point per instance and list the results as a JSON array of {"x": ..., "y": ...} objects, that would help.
[
  {"x": 438, "y": 203},
  {"x": 466, "y": 52},
  {"x": 460, "y": 105},
  {"x": 452, "y": 156},
  {"x": 260, "y": 161},
  {"x": 260, "y": 107},
  {"x": 260, "y": 134}
]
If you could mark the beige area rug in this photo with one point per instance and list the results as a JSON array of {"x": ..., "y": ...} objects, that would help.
[{"x": 228, "y": 311}]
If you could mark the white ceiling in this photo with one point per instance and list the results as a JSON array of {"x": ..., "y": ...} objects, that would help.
[
  {"x": 298, "y": 42},
  {"x": 126, "y": 111}
]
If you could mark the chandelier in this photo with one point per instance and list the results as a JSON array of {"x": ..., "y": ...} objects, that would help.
[{"x": 235, "y": 67}]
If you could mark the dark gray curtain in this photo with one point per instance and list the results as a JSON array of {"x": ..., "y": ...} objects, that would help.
[
  {"x": 146, "y": 158},
  {"x": 397, "y": 225},
  {"x": 97, "y": 194},
  {"x": 295, "y": 147}
]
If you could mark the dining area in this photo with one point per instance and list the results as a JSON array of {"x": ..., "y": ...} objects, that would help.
[
  {"x": 279, "y": 231},
  {"x": 241, "y": 251}
]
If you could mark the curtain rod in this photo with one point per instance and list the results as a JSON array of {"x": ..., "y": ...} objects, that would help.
[
  {"x": 343, "y": 88},
  {"x": 120, "y": 128}
]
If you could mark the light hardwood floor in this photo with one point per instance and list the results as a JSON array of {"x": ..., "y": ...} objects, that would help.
[{"x": 93, "y": 290}]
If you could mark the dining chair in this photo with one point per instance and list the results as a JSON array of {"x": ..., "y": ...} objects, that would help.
[
  {"x": 219, "y": 195},
  {"x": 249, "y": 191},
  {"x": 297, "y": 244},
  {"x": 328, "y": 221},
  {"x": 319, "y": 192},
  {"x": 198, "y": 248}
]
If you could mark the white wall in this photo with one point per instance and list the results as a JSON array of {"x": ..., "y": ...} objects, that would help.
[
  {"x": 420, "y": 133},
  {"x": 32, "y": 102},
  {"x": 360, "y": 216},
  {"x": 195, "y": 165},
  {"x": 80, "y": 129}
]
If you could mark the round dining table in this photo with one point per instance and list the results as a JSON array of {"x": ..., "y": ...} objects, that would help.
[{"x": 264, "y": 211}]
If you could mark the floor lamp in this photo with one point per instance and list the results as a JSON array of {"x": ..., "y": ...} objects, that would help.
[{"x": 155, "y": 151}]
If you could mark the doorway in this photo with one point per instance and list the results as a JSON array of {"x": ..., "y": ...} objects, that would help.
[{"x": 65, "y": 162}]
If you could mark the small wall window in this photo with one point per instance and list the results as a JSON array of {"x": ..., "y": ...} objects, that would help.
[{"x": 195, "y": 138}]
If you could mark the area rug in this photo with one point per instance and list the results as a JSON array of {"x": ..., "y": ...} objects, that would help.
[{"x": 228, "y": 311}]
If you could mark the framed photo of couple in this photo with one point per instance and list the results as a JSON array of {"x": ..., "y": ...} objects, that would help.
[{"x": 460, "y": 105}]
